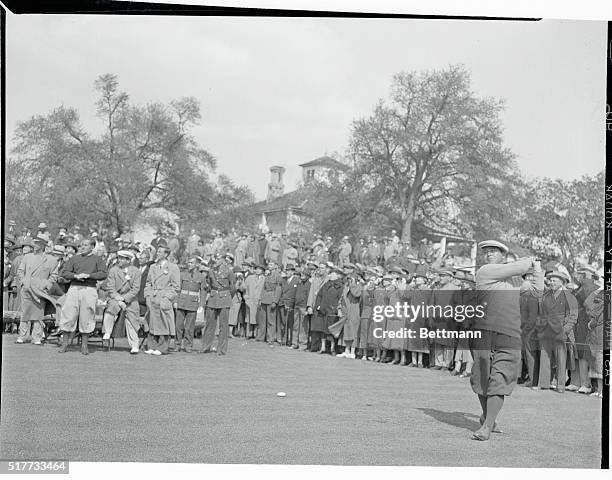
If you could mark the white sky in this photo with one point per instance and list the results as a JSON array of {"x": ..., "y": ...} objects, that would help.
[{"x": 284, "y": 91}]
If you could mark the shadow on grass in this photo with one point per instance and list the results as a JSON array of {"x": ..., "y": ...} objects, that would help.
[{"x": 469, "y": 421}]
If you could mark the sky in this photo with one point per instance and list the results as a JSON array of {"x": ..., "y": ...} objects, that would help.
[{"x": 285, "y": 91}]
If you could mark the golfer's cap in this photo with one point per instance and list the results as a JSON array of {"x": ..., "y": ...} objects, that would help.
[{"x": 494, "y": 244}]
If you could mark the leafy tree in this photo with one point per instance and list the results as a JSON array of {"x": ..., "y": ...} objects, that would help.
[
  {"x": 565, "y": 216},
  {"x": 145, "y": 159},
  {"x": 415, "y": 154}
]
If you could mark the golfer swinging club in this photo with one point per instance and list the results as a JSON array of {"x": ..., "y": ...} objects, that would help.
[{"x": 497, "y": 353}]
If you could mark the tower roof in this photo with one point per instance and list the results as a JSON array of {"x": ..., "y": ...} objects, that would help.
[{"x": 326, "y": 162}]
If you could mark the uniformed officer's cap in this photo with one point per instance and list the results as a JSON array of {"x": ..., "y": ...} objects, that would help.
[
  {"x": 494, "y": 244},
  {"x": 290, "y": 266},
  {"x": 126, "y": 254}
]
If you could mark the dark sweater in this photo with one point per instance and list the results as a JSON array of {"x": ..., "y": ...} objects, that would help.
[{"x": 91, "y": 264}]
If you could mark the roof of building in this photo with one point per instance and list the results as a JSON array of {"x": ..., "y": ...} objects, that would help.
[
  {"x": 326, "y": 162},
  {"x": 294, "y": 200}
]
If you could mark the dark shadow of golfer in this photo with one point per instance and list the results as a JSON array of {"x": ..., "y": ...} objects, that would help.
[{"x": 469, "y": 421}]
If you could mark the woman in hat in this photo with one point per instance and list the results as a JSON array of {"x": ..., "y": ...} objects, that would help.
[
  {"x": 419, "y": 295},
  {"x": 394, "y": 343},
  {"x": 235, "y": 318},
  {"x": 367, "y": 309},
  {"x": 558, "y": 315},
  {"x": 594, "y": 305},
  {"x": 580, "y": 380},
  {"x": 350, "y": 305},
  {"x": 253, "y": 286},
  {"x": 464, "y": 298},
  {"x": 375, "y": 341}
]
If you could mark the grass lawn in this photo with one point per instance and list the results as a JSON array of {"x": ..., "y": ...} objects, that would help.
[{"x": 208, "y": 409}]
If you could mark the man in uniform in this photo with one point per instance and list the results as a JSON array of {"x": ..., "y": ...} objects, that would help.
[
  {"x": 161, "y": 289},
  {"x": 497, "y": 354},
  {"x": 36, "y": 274},
  {"x": 222, "y": 288},
  {"x": 192, "y": 296},
  {"x": 83, "y": 272},
  {"x": 123, "y": 285},
  {"x": 270, "y": 295}
]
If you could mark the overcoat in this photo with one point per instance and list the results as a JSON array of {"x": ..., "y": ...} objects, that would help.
[
  {"x": 37, "y": 273},
  {"x": 161, "y": 290}
]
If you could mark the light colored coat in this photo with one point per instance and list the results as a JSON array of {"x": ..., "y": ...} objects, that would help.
[
  {"x": 126, "y": 285},
  {"x": 161, "y": 290},
  {"x": 36, "y": 273}
]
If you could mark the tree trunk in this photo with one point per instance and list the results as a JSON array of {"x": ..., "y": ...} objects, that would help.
[{"x": 407, "y": 229}]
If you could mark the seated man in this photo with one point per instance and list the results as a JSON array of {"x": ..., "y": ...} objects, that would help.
[{"x": 123, "y": 285}]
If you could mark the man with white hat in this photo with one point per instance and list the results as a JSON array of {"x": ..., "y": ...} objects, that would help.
[
  {"x": 497, "y": 353},
  {"x": 123, "y": 285},
  {"x": 558, "y": 315},
  {"x": 37, "y": 273}
]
